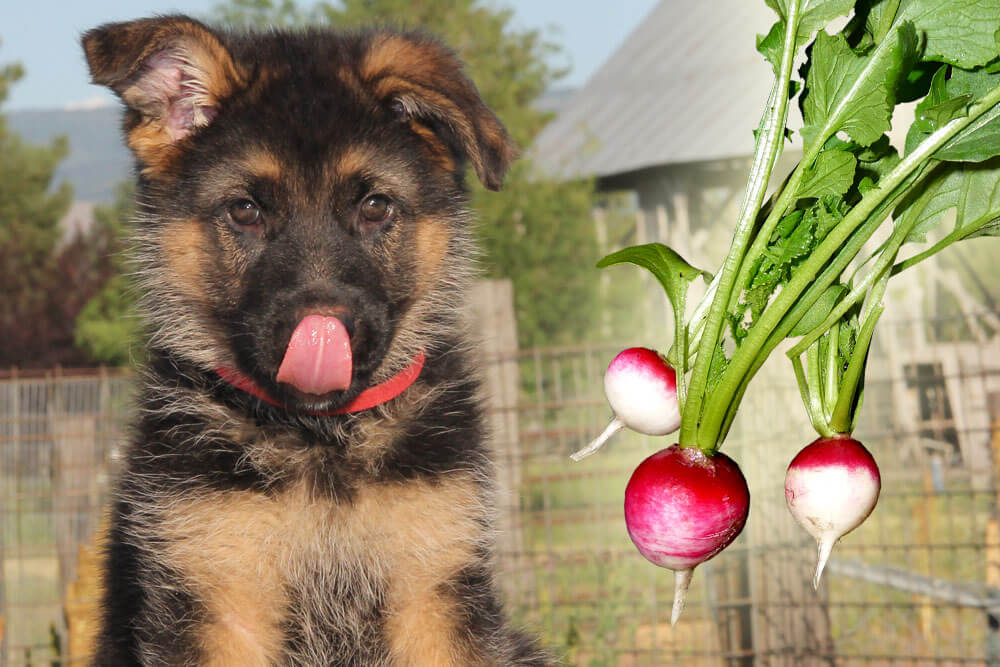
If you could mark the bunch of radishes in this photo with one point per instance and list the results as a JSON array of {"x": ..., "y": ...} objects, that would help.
[
  {"x": 801, "y": 264},
  {"x": 683, "y": 506}
]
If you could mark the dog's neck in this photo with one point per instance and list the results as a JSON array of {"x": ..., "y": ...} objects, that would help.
[{"x": 367, "y": 399}]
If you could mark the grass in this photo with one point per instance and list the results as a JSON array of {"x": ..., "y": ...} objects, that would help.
[{"x": 32, "y": 606}]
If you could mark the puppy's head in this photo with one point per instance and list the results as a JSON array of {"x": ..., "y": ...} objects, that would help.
[{"x": 301, "y": 199}]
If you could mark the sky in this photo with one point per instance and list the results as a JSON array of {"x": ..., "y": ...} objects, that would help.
[{"x": 43, "y": 35}]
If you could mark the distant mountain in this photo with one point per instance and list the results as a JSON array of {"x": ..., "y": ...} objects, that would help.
[{"x": 97, "y": 160}]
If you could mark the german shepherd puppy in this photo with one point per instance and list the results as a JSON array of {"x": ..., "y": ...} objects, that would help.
[{"x": 308, "y": 482}]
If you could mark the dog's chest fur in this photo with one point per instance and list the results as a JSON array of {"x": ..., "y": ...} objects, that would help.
[
  {"x": 322, "y": 580},
  {"x": 297, "y": 569}
]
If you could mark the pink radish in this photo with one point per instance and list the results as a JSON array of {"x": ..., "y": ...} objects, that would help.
[
  {"x": 831, "y": 487},
  {"x": 682, "y": 508},
  {"x": 642, "y": 389}
]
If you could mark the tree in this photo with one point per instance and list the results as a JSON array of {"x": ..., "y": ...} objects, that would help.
[
  {"x": 107, "y": 328},
  {"x": 36, "y": 311},
  {"x": 537, "y": 232}
]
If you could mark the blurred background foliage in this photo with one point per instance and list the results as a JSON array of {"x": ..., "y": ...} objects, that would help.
[{"x": 36, "y": 263}]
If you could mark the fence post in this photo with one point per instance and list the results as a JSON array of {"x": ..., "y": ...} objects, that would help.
[
  {"x": 993, "y": 533},
  {"x": 496, "y": 332},
  {"x": 601, "y": 230}
]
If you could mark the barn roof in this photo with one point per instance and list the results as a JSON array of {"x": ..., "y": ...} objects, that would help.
[{"x": 686, "y": 85}]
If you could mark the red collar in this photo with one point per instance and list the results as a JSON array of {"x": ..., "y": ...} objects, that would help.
[{"x": 369, "y": 398}]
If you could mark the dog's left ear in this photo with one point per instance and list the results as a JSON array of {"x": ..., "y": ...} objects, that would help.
[
  {"x": 171, "y": 72},
  {"x": 424, "y": 82}
]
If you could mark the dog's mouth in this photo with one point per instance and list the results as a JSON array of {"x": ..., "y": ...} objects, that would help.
[
  {"x": 323, "y": 359},
  {"x": 310, "y": 350},
  {"x": 318, "y": 359}
]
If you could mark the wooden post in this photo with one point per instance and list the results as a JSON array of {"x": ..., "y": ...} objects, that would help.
[
  {"x": 601, "y": 229},
  {"x": 993, "y": 525},
  {"x": 649, "y": 292},
  {"x": 680, "y": 231},
  {"x": 640, "y": 227},
  {"x": 492, "y": 312},
  {"x": 992, "y": 551},
  {"x": 924, "y": 514},
  {"x": 662, "y": 224},
  {"x": 663, "y": 233}
]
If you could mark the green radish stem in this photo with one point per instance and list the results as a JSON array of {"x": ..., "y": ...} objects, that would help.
[
  {"x": 816, "y": 418},
  {"x": 832, "y": 370},
  {"x": 814, "y": 378},
  {"x": 953, "y": 237},
  {"x": 772, "y": 136},
  {"x": 687, "y": 337},
  {"x": 845, "y": 411},
  {"x": 681, "y": 342}
]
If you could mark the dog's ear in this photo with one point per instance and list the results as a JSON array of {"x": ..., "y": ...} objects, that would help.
[
  {"x": 171, "y": 72},
  {"x": 424, "y": 82}
]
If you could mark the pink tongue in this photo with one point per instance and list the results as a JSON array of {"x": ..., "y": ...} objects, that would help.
[{"x": 318, "y": 358}]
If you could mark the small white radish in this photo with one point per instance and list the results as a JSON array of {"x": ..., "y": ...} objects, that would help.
[
  {"x": 831, "y": 487},
  {"x": 642, "y": 389},
  {"x": 682, "y": 508}
]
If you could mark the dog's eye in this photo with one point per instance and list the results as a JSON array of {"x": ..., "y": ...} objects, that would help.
[
  {"x": 244, "y": 213},
  {"x": 398, "y": 110},
  {"x": 375, "y": 209}
]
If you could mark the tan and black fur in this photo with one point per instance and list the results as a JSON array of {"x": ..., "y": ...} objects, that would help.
[{"x": 247, "y": 534}]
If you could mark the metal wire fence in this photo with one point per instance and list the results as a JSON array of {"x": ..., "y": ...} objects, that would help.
[
  {"x": 58, "y": 433},
  {"x": 917, "y": 584}
]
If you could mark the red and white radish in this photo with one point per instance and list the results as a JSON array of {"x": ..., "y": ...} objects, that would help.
[
  {"x": 682, "y": 508},
  {"x": 642, "y": 389},
  {"x": 831, "y": 487}
]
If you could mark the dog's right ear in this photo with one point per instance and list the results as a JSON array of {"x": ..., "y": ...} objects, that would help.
[{"x": 171, "y": 72}]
